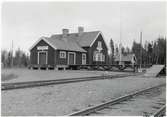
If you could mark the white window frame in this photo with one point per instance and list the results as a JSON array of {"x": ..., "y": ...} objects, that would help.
[
  {"x": 103, "y": 57},
  {"x": 60, "y": 54},
  {"x": 74, "y": 57},
  {"x": 99, "y": 57},
  {"x": 83, "y": 61},
  {"x": 99, "y": 46},
  {"x": 46, "y": 56}
]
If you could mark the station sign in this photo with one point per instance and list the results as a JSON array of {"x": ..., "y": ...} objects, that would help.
[{"x": 42, "y": 48}]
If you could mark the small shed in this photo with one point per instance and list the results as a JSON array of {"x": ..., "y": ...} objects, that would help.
[{"x": 128, "y": 59}]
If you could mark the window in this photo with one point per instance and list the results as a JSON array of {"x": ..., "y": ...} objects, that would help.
[
  {"x": 99, "y": 46},
  {"x": 83, "y": 58},
  {"x": 98, "y": 56},
  {"x": 62, "y": 54},
  {"x": 103, "y": 57}
]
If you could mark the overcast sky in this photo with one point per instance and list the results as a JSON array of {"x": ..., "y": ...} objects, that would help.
[{"x": 26, "y": 22}]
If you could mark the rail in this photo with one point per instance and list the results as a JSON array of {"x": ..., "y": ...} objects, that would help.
[
  {"x": 96, "y": 108},
  {"x": 160, "y": 112},
  {"x": 17, "y": 85}
]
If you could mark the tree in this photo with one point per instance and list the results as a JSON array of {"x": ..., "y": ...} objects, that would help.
[
  {"x": 155, "y": 53},
  {"x": 116, "y": 50},
  {"x": 150, "y": 51},
  {"x": 112, "y": 46},
  {"x": 112, "y": 51},
  {"x": 4, "y": 57},
  {"x": 161, "y": 50},
  {"x": 19, "y": 60},
  {"x": 123, "y": 50},
  {"x": 127, "y": 50}
]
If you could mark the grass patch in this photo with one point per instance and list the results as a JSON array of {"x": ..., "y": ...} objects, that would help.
[{"x": 6, "y": 77}]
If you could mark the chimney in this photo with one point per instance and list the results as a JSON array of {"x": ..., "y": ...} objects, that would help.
[
  {"x": 65, "y": 32},
  {"x": 80, "y": 30}
]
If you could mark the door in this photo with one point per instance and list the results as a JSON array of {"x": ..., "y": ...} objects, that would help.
[
  {"x": 42, "y": 58},
  {"x": 71, "y": 58},
  {"x": 83, "y": 59}
]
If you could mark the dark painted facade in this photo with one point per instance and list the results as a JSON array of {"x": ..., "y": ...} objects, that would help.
[
  {"x": 90, "y": 51},
  {"x": 34, "y": 53},
  {"x": 64, "y": 61},
  {"x": 53, "y": 55}
]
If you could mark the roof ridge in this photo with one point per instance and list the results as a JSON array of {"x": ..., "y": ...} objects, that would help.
[{"x": 75, "y": 33}]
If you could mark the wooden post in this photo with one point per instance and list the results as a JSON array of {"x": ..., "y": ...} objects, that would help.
[{"x": 140, "y": 50}]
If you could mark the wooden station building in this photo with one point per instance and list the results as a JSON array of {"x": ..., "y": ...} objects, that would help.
[{"x": 62, "y": 50}]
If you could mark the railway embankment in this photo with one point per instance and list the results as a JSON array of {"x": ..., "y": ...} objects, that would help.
[{"x": 67, "y": 98}]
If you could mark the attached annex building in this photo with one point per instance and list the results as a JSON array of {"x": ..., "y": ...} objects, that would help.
[{"x": 70, "y": 49}]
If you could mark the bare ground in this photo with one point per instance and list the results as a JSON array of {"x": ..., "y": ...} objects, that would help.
[
  {"x": 23, "y": 75},
  {"x": 67, "y": 98}
]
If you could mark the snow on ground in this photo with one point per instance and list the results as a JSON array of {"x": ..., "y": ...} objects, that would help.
[
  {"x": 66, "y": 98},
  {"x": 34, "y": 75}
]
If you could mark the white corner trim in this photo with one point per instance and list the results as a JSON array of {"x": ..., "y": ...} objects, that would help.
[
  {"x": 104, "y": 40},
  {"x": 74, "y": 57},
  {"x": 46, "y": 56},
  {"x": 95, "y": 39},
  {"x": 42, "y": 38}
]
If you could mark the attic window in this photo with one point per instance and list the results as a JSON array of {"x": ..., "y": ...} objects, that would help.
[
  {"x": 99, "y": 44},
  {"x": 62, "y": 54}
]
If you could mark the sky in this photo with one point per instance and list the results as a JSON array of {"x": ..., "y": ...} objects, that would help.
[{"x": 26, "y": 22}]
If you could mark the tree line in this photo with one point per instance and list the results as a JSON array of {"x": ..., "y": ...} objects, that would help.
[
  {"x": 20, "y": 59},
  {"x": 153, "y": 52}
]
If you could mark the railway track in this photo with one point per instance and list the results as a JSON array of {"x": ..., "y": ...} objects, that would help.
[
  {"x": 97, "y": 108},
  {"x": 18, "y": 85},
  {"x": 160, "y": 112}
]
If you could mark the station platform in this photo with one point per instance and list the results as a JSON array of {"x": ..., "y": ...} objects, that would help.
[{"x": 154, "y": 70}]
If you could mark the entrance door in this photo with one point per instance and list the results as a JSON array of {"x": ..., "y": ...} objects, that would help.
[
  {"x": 71, "y": 58},
  {"x": 83, "y": 59},
  {"x": 42, "y": 58}
]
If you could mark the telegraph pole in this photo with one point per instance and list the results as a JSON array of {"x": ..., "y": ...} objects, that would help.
[
  {"x": 120, "y": 44},
  {"x": 12, "y": 55},
  {"x": 140, "y": 49}
]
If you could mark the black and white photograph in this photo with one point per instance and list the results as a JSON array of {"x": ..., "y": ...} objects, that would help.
[{"x": 83, "y": 58}]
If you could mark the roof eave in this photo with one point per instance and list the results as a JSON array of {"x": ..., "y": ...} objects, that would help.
[
  {"x": 94, "y": 39},
  {"x": 44, "y": 39}
]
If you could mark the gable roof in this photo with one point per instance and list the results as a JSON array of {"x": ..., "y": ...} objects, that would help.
[
  {"x": 44, "y": 39},
  {"x": 127, "y": 57},
  {"x": 86, "y": 38},
  {"x": 65, "y": 43},
  {"x": 73, "y": 41}
]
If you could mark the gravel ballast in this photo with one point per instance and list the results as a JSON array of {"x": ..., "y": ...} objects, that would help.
[
  {"x": 67, "y": 98},
  {"x": 25, "y": 75}
]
